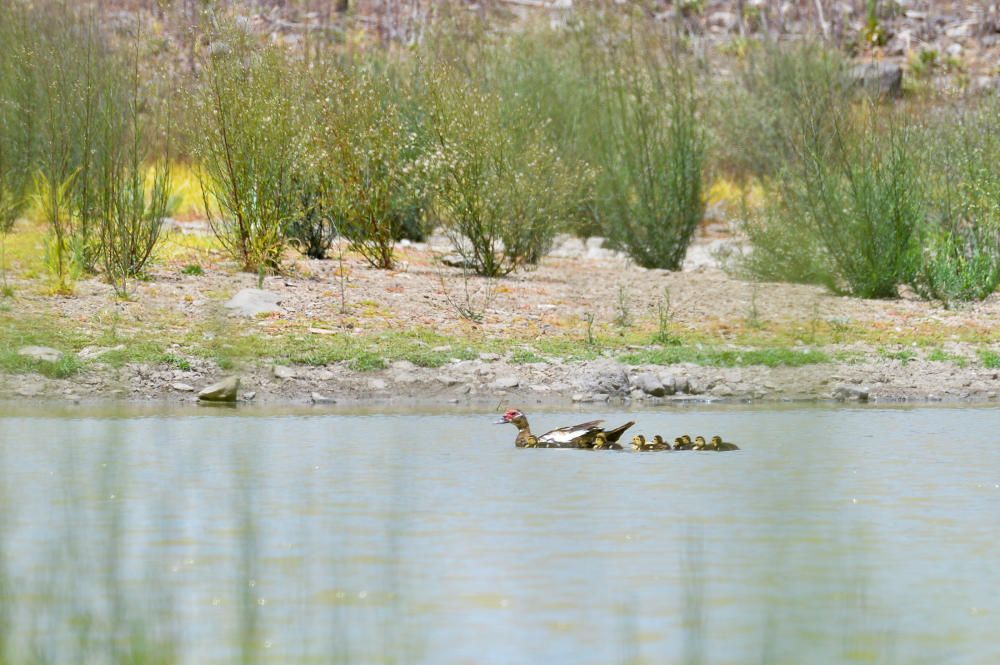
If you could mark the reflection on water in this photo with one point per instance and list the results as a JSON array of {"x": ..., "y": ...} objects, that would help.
[{"x": 850, "y": 535}]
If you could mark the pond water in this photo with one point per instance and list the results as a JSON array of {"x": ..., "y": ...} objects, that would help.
[{"x": 848, "y": 534}]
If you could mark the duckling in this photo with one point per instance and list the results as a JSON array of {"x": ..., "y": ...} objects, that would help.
[
  {"x": 640, "y": 444},
  {"x": 700, "y": 443},
  {"x": 685, "y": 443},
  {"x": 601, "y": 443},
  {"x": 679, "y": 443},
  {"x": 659, "y": 443},
  {"x": 718, "y": 444}
]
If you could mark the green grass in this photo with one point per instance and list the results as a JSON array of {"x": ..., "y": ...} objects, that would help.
[
  {"x": 990, "y": 359},
  {"x": 903, "y": 355},
  {"x": 774, "y": 357},
  {"x": 939, "y": 355}
]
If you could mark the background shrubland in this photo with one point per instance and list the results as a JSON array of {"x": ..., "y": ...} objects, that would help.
[{"x": 501, "y": 130}]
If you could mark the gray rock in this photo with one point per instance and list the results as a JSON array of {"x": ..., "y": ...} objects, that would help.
[
  {"x": 458, "y": 261},
  {"x": 846, "y": 393},
  {"x": 182, "y": 387},
  {"x": 250, "y": 396},
  {"x": 879, "y": 78},
  {"x": 318, "y": 398},
  {"x": 48, "y": 354},
  {"x": 252, "y": 302},
  {"x": 609, "y": 378},
  {"x": 668, "y": 382},
  {"x": 378, "y": 384},
  {"x": 222, "y": 391},
  {"x": 506, "y": 381},
  {"x": 489, "y": 357},
  {"x": 650, "y": 384},
  {"x": 579, "y": 397},
  {"x": 92, "y": 352},
  {"x": 722, "y": 390},
  {"x": 695, "y": 387},
  {"x": 32, "y": 389},
  {"x": 681, "y": 384},
  {"x": 282, "y": 372}
]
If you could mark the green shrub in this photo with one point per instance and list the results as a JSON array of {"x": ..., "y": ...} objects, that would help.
[
  {"x": 312, "y": 228},
  {"x": 502, "y": 191},
  {"x": 249, "y": 105},
  {"x": 131, "y": 204},
  {"x": 781, "y": 95},
  {"x": 15, "y": 129},
  {"x": 651, "y": 151},
  {"x": 847, "y": 212},
  {"x": 961, "y": 256},
  {"x": 371, "y": 152}
]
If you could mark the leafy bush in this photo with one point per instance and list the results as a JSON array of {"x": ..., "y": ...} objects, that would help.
[
  {"x": 15, "y": 129},
  {"x": 131, "y": 203},
  {"x": 848, "y": 211},
  {"x": 650, "y": 149},
  {"x": 368, "y": 147},
  {"x": 779, "y": 97},
  {"x": 312, "y": 228},
  {"x": 503, "y": 191},
  {"x": 961, "y": 257},
  {"x": 248, "y": 143}
]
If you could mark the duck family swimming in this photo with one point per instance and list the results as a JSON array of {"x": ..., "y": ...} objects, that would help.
[{"x": 591, "y": 435}]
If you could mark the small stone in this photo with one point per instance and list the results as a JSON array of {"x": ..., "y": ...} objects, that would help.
[
  {"x": 249, "y": 396},
  {"x": 318, "y": 398},
  {"x": 253, "y": 302},
  {"x": 92, "y": 352},
  {"x": 579, "y": 397},
  {"x": 489, "y": 357},
  {"x": 879, "y": 78},
  {"x": 845, "y": 393},
  {"x": 46, "y": 353},
  {"x": 283, "y": 372},
  {"x": 221, "y": 391},
  {"x": 182, "y": 387},
  {"x": 682, "y": 384},
  {"x": 378, "y": 384},
  {"x": 447, "y": 380},
  {"x": 695, "y": 387}
]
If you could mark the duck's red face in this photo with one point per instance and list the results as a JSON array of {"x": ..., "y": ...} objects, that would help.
[{"x": 509, "y": 417}]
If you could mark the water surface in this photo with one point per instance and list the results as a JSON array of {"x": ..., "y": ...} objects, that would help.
[{"x": 848, "y": 534}]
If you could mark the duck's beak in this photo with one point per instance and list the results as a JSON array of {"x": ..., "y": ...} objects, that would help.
[{"x": 502, "y": 421}]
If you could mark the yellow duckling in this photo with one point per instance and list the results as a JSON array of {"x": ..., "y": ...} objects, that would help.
[
  {"x": 718, "y": 444},
  {"x": 638, "y": 442},
  {"x": 601, "y": 443}
]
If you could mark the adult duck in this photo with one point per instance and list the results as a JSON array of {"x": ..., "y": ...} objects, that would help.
[{"x": 574, "y": 436}]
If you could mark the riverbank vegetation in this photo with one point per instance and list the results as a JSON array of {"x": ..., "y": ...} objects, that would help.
[{"x": 499, "y": 134}]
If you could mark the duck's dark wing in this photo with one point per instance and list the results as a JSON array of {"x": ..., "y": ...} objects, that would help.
[
  {"x": 616, "y": 433},
  {"x": 568, "y": 435}
]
